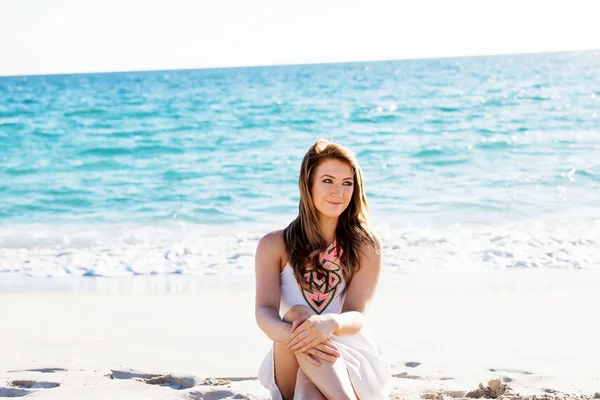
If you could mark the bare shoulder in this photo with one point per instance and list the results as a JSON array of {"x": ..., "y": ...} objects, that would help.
[
  {"x": 369, "y": 250},
  {"x": 272, "y": 241},
  {"x": 267, "y": 268},
  {"x": 272, "y": 246}
]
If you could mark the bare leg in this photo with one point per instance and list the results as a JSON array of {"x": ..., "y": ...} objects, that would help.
[
  {"x": 286, "y": 370},
  {"x": 286, "y": 364},
  {"x": 305, "y": 389},
  {"x": 331, "y": 379}
]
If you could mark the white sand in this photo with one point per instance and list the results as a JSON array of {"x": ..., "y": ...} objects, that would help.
[{"x": 539, "y": 343}]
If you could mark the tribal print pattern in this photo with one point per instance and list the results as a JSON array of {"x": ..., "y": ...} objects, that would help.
[{"x": 319, "y": 297}]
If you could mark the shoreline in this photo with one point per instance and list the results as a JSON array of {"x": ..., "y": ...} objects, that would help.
[
  {"x": 541, "y": 344},
  {"x": 506, "y": 280}
]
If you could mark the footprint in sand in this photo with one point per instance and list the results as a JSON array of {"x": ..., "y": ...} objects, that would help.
[
  {"x": 514, "y": 371},
  {"x": 42, "y": 370},
  {"x": 174, "y": 382},
  {"x": 226, "y": 381},
  {"x": 186, "y": 382},
  {"x": 508, "y": 379},
  {"x": 212, "y": 394},
  {"x": 21, "y": 388},
  {"x": 406, "y": 375},
  {"x": 10, "y": 392},
  {"x": 218, "y": 395},
  {"x": 23, "y": 384},
  {"x": 550, "y": 391}
]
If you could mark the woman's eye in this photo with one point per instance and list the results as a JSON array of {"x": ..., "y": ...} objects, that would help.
[{"x": 347, "y": 183}]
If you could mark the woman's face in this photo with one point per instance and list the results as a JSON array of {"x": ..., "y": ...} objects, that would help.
[{"x": 332, "y": 187}]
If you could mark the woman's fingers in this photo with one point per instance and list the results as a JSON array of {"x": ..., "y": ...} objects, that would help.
[
  {"x": 310, "y": 359},
  {"x": 296, "y": 342},
  {"x": 331, "y": 344},
  {"x": 323, "y": 356},
  {"x": 307, "y": 347},
  {"x": 295, "y": 325},
  {"x": 297, "y": 331},
  {"x": 306, "y": 340},
  {"x": 328, "y": 350}
]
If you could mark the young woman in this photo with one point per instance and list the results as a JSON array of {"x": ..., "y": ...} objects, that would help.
[{"x": 314, "y": 282}]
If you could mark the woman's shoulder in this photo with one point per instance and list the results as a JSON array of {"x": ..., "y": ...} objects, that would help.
[
  {"x": 274, "y": 238},
  {"x": 273, "y": 242},
  {"x": 371, "y": 247}
]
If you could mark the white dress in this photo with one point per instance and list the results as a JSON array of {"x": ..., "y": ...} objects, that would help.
[{"x": 368, "y": 369}]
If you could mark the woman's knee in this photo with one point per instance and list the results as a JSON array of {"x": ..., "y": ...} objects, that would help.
[
  {"x": 305, "y": 389},
  {"x": 332, "y": 380}
]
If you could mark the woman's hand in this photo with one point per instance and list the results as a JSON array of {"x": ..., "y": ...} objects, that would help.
[
  {"x": 326, "y": 351},
  {"x": 309, "y": 332}
]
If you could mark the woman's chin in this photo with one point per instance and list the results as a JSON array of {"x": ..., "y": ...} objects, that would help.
[{"x": 330, "y": 214}]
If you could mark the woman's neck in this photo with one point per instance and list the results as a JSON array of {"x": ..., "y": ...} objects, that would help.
[{"x": 327, "y": 227}]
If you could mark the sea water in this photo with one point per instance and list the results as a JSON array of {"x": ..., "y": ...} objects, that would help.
[{"x": 469, "y": 163}]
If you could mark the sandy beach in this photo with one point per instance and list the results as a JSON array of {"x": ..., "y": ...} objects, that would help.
[
  {"x": 206, "y": 345},
  {"x": 132, "y": 203},
  {"x": 139, "y": 172}
]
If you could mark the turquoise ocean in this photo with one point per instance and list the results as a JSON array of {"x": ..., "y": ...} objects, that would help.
[{"x": 470, "y": 163}]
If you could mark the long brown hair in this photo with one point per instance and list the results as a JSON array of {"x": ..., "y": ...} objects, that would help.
[{"x": 303, "y": 240}]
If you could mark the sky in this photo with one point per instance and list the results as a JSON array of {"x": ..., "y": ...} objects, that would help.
[{"x": 72, "y": 36}]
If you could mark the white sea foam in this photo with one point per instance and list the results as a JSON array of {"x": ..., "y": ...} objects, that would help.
[
  {"x": 538, "y": 244},
  {"x": 111, "y": 251}
]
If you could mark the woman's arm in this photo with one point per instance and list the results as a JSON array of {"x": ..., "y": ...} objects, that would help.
[
  {"x": 360, "y": 294},
  {"x": 350, "y": 321},
  {"x": 268, "y": 296}
]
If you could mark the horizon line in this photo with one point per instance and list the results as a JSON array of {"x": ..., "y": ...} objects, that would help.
[{"x": 294, "y": 64}]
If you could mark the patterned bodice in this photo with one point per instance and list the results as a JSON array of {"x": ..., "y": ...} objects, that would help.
[{"x": 322, "y": 298}]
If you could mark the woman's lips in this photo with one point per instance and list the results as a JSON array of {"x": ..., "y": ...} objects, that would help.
[{"x": 333, "y": 203}]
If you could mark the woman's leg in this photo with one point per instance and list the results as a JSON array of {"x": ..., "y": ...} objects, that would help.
[
  {"x": 286, "y": 369},
  {"x": 286, "y": 364},
  {"x": 305, "y": 389},
  {"x": 332, "y": 380}
]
